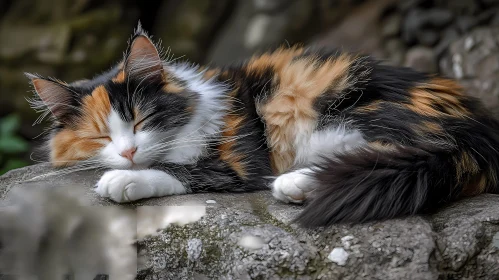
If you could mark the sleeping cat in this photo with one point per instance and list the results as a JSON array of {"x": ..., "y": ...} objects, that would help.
[{"x": 355, "y": 139}]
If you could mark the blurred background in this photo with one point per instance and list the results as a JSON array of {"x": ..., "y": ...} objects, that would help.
[{"x": 75, "y": 39}]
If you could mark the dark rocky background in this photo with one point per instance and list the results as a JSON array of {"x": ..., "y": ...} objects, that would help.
[{"x": 74, "y": 39}]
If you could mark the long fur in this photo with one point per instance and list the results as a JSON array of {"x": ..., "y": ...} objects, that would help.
[{"x": 369, "y": 184}]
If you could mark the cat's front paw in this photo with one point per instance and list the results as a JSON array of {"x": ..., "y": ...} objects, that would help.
[
  {"x": 123, "y": 186},
  {"x": 292, "y": 187}
]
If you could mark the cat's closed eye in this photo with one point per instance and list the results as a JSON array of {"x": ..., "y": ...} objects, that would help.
[
  {"x": 102, "y": 137},
  {"x": 140, "y": 123}
]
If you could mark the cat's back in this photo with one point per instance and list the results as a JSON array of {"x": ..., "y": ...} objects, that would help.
[{"x": 304, "y": 91}]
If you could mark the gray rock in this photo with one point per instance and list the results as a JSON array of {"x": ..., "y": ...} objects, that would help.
[
  {"x": 490, "y": 2},
  {"x": 458, "y": 241},
  {"x": 466, "y": 23},
  {"x": 270, "y": 5},
  {"x": 405, "y": 6},
  {"x": 411, "y": 25},
  {"x": 437, "y": 17},
  {"x": 391, "y": 26},
  {"x": 419, "y": 21},
  {"x": 194, "y": 249},
  {"x": 449, "y": 35},
  {"x": 360, "y": 30},
  {"x": 396, "y": 50},
  {"x": 189, "y": 27},
  {"x": 428, "y": 37},
  {"x": 473, "y": 59},
  {"x": 495, "y": 20},
  {"x": 422, "y": 59},
  {"x": 257, "y": 25},
  {"x": 464, "y": 6}
]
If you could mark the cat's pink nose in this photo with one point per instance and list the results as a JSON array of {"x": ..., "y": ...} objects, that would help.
[{"x": 129, "y": 153}]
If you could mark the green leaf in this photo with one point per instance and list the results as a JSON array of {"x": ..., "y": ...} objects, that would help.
[
  {"x": 12, "y": 164},
  {"x": 9, "y": 124},
  {"x": 13, "y": 144}
]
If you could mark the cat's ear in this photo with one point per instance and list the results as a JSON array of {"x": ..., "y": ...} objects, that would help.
[
  {"x": 142, "y": 59},
  {"x": 55, "y": 95}
]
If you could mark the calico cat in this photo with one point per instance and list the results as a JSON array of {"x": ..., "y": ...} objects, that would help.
[{"x": 357, "y": 140}]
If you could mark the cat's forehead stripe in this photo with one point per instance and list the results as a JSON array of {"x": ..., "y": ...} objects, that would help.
[{"x": 96, "y": 108}]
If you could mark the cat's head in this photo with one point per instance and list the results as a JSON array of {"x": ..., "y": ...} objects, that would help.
[{"x": 123, "y": 119}]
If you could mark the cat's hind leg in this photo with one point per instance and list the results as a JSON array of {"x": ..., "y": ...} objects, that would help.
[{"x": 297, "y": 185}]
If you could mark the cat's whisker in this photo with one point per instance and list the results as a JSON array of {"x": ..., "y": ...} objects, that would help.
[
  {"x": 169, "y": 148},
  {"x": 62, "y": 172},
  {"x": 219, "y": 139}
]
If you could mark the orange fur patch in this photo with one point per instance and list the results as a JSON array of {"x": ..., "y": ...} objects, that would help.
[
  {"x": 475, "y": 186},
  {"x": 467, "y": 164},
  {"x": 96, "y": 108},
  {"x": 290, "y": 113},
  {"x": 67, "y": 147},
  {"x": 227, "y": 153},
  {"x": 437, "y": 98},
  {"x": 138, "y": 120},
  {"x": 120, "y": 78},
  {"x": 276, "y": 60},
  {"x": 210, "y": 73},
  {"x": 432, "y": 127},
  {"x": 86, "y": 137},
  {"x": 428, "y": 127},
  {"x": 381, "y": 146},
  {"x": 371, "y": 107},
  {"x": 172, "y": 87}
]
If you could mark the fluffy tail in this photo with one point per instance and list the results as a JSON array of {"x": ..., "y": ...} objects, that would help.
[{"x": 388, "y": 182}]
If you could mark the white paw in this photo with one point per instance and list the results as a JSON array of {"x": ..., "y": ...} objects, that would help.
[
  {"x": 123, "y": 186},
  {"x": 292, "y": 187}
]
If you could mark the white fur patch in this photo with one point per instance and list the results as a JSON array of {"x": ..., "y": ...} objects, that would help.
[
  {"x": 296, "y": 186},
  {"x": 207, "y": 121},
  {"x": 293, "y": 187},
  {"x": 327, "y": 142},
  {"x": 131, "y": 185}
]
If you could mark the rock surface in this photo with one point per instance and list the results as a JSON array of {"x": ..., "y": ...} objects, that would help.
[
  {"x": 474, "y": 61},
  {"x": 251, "y": 236}
]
